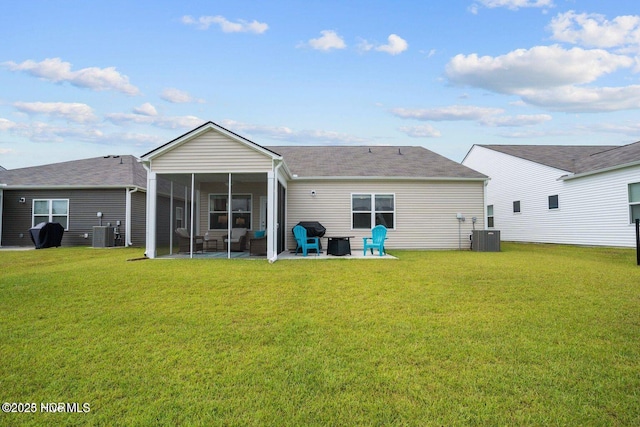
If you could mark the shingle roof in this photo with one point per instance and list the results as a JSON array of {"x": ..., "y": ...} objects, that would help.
[
  {"x": 564, "y": 157},
  {"x": 108, "y": 171},
  {"x": 608, "y": 158},
  {"x": 577, "y": 159},
  {"x": 371, "y": 161}
]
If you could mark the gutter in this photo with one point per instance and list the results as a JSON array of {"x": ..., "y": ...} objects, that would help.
[
  {"x": 594, "y": 172},
  {"x": 384, "y": 178},
  {"x": 63, "y": 187}
]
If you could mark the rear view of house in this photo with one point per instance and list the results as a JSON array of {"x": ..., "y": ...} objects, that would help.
[
  {"x": 584, "y": 195},
  {"x": 232, "y": 182}
]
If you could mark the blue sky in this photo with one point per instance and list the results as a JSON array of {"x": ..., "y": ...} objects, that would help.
[{"x": 82, "y": 79}]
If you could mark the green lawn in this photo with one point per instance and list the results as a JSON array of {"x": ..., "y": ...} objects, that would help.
[{"x": 534, "y": 335}]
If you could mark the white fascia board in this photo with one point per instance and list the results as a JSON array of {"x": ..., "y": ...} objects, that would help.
[
  {"x": 287, "y": 172},
  {"x": 201, "y": 130},
  {"x": 384, "y": 178},
  {"x": 594, "y": 172},
  {"x": 72, "y": 187}
]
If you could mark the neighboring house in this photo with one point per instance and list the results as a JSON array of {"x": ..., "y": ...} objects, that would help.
[
  {"x": 584, "y": 195},
  {"x": 72, "y": 193},
  {"x": 414, "y": 191}
]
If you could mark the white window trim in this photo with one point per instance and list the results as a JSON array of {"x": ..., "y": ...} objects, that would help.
[
  {"x": 631, "y": 221},
  {"x": 373, "y": 211},
  {"x": 513, "y": 210},
  {"x": 179, "y": 217},
  {"x": 491, "y": 216},
  {"x": 50, "y": 219}
]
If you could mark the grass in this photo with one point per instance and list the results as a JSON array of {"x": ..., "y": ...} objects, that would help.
[{"x": 534, "y": 335}]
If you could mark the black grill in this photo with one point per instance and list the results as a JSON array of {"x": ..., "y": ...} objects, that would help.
[{"x": 314, "y": 228}]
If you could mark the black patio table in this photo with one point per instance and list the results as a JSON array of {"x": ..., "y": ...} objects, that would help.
[{"x": 339, "y": 245}]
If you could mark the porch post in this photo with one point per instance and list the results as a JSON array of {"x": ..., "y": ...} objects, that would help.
[
  {"x": 151, "y": 214},
  {"x": 171, "y": 222},
  {"x": 271, "y": 217},
  {"x": 229, "y": 219},
  {"x": 1, "y": 214},
  {"x": 191, "y": 240}
]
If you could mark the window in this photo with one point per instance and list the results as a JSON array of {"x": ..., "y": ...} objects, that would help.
[
  {"x": 179, "y": 217},
  {"x": 516, "y": 206},
  {"x": 490, "y": 216},
  {"x": 240, "y": 211},
  {"x": 634, "y": 201},
  {"x": 553, "y": 202},
  {"x": 369, "y": 210},
  {"x": 51, "y": 210}
]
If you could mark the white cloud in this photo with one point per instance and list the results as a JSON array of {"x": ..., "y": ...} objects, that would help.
[
  {"x": 485, "y": 116},
  {"x": 178, "y": 96},
  {"x": 423, "y": 131},
  {"x": 6, "y": 124},
  {"x": 454, "y": 112},
  {"x": 329, "y": 40},
  {"x": 583, "y": 99},
  {"x": 143, "y": 115},
  {"x": 594, "y": 30},
  {"x": 541, "y": 67},
  {"x": 395, "y": 46},
  {"x": 242, "y": 26},
  {"x": 515, "y": 121},
  {"x": 50, "y": 133},
  {"x": 510, "y": 4},
  {"x": 284, "y": 133},
  {"x": 630, "y": 129},
  {"x": 45, "y": 132},
  {"x": 57, "y": 71},
  {"x": 72, "y": 111},
  {"x": 146, "y": 109}
]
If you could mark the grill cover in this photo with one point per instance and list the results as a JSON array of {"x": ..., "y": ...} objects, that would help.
[
  {"x": 314, "y": 228},
  {"x": 47, "y": 235}
]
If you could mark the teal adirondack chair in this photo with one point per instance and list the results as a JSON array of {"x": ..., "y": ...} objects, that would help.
[
  {"x": 305, "y": 243},
  {"x": 378, "y": 236}
]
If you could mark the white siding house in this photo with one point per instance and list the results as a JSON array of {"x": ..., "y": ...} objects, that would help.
[
  {"x": 416, "y": 193},
  {"x": 579, "y": 195}
]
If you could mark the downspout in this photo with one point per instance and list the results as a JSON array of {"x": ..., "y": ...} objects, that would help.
[{"x": 274, "y": 258}]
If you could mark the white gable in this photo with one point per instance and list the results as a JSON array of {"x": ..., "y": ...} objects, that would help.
[{"x": 211, "y": 150}]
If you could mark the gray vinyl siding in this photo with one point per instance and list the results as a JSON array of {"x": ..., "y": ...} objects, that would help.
[
  {"x": 83, "y": 207},
  {"x": 138, "y": 218},
  {"x": 425, "y": 210},
  {"x": 212, "y": 152}
]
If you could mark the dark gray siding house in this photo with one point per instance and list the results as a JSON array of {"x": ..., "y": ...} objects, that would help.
[{"x": 72, "y": 193}]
